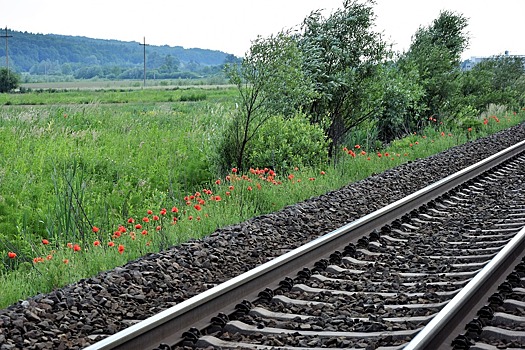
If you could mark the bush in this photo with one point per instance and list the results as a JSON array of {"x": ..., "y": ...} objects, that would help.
[
  {"x": 286, "y": 143},
  {"x": 8, "y": 80}
]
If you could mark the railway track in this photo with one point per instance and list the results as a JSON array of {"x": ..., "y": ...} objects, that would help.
[{"x": 393, "y": 279}]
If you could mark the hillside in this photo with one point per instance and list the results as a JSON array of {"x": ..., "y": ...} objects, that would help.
[{"x": 85, "y": 58}]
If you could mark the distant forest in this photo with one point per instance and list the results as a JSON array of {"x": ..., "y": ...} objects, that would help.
[{"x": 59, "y": 57}]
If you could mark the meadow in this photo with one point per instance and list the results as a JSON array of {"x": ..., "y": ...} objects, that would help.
[{"x": 92, "y": 179}]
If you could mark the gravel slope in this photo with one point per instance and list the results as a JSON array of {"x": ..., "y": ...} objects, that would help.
[{"x": 82, "y": 313}]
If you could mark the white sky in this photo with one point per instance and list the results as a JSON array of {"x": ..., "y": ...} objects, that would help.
[{"x": 231, "y": 25}]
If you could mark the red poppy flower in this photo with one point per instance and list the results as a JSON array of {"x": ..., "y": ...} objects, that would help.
[
  {"x": 45, "y": 241},
  {"x": 198, "y": 207},
  {"x": 121, "y": 248},
  {"x": 218, "y": 181},
  {"x": 131, "y": 220},
  {"x": 96, "y": 243},
  {"x": 174, "y": 210},
  {"x": 11, "y": 255},
  {"x": 155, "y": 217},
  {"x": 249, "y": 188},
  {"x": 111, "y": 244},
  {"x": 145, "y": 219},
  {"x": 234, "y": 170},
  {"x": 138, "y": 226},
  {"x": 150, "y": 212},
  {"x": 76, "y": 248},
  {"x": 66, "y": 261},
  {"x": 95, "y": 229},
  {"x": 163, "y": 211}
]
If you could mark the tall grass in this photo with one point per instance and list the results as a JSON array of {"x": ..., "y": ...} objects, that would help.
[{"x": 85, "y": 188}]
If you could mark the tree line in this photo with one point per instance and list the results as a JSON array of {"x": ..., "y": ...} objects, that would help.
[
  {"x": 34, "y": 56},
  {"x": 343, "y": 78}
]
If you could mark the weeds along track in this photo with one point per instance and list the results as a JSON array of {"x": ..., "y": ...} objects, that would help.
[
  {"x": 93, "y": 309},
  {"x": 407, "y": 275}
]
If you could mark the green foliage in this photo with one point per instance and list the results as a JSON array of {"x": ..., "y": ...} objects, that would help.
[
  {"x": 435, "y": 51},
  {"x": 125, "y": 157},
  {"x": 283, "y": 144},
  {"x": 193, "y": 97},
  {"x": 342, "y": 56},
  {"x": 498, "y": 80},
  {"x": 9, "y": 80},
  {"x": 400, "y": 113},
  {"x": 467, "y": 117},
  {"x": 269, "y": 80}
]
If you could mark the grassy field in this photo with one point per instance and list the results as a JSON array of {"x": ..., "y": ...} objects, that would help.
[
  {"x": 114, "y": 96},
  {"x": 90, "y": 180},
  {"x": 128, "y": 84}
]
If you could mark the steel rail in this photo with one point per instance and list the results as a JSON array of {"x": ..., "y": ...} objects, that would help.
[
  {"x": 168, "y": 325},
  {"x": 462, "y": 308}
]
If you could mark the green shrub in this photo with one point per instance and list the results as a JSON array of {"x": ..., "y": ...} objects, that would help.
[{"x": 286, "y": 143}]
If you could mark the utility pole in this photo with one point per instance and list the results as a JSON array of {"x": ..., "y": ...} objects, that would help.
[
  {"x": 6, "y": 51},
  {"x": 144, "y": 62}
]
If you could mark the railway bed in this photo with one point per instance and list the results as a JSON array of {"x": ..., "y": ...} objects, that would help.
[
  {"x": 86, "y": 312},
  {"x": 380, "y": 292}
]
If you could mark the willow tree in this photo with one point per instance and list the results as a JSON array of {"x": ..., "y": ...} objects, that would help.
[
  {"x": 270, "y": 81},
  {"x": 435, "y": 51},
  {"x": 344, "y": 53}
]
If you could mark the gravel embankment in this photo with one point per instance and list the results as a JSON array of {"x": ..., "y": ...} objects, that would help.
[{"x": 83, "y": 313}]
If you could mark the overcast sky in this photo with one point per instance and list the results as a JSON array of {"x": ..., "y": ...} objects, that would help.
[{"x": 231, "y": 25}]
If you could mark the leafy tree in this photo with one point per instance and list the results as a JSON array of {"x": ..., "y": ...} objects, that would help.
[
  {"x": 270, "y": 81},
  {"x": 499, "y": 80},
  {"x": 8, "y": 80},
  {"x": 343, "y": 53},
  {"x": 400, "y": 102},
  {"x": 436, "y": 52}
]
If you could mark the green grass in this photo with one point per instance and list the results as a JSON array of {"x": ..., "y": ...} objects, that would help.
[
  {"x": 65, "y": 168},
  {"x": 104, "y": 96}
]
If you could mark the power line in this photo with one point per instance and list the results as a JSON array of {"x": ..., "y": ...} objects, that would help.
[
  {"x": 144, "y": 61},
  {"x": 6, "y": 51}
]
